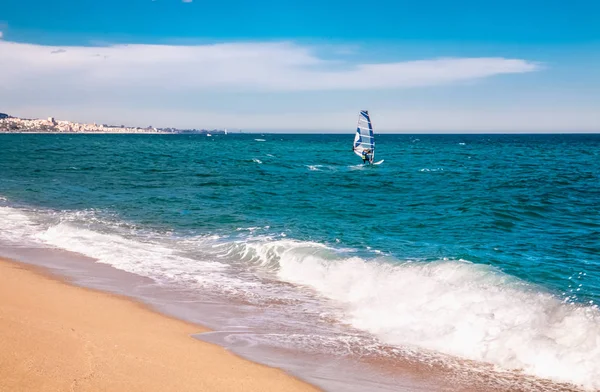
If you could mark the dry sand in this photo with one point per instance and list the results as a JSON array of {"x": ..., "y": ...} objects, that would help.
[{"x": 59, "y": 337}]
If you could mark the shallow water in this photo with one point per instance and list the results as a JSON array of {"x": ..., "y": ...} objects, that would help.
[{"x": 457, "y": 248}]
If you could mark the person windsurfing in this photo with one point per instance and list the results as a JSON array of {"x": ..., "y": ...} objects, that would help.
[
  {"x": 366, "y": 156},
  {"x": 364, "y": 139}
]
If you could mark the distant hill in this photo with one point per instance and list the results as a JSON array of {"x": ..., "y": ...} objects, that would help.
[{"x": 4, "y": 115}]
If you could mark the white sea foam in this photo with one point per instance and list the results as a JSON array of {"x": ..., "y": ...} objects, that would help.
[
  {"x": 360, "y": 166},
  {"x": 453, "y": 307},
  {"x": 107, "y": 242},
  {"x": 255, "y": 160},
  {"x": 253, "y": 228},
  {"x": 16, "y": 227},
  {"x": 143, "y": 257}
]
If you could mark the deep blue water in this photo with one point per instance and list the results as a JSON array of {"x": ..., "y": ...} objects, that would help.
[
  {"x": 526, "y": 204},
  {"x": 480, "y": 247}
]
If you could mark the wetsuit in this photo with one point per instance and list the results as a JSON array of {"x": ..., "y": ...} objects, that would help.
[{"x": 366, "y": 158}]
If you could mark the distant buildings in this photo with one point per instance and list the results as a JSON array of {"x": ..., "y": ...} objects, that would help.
[{"x": 51, "y": 125}]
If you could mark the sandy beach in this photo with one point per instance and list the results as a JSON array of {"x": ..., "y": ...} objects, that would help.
[{"x": 58, "y": 337}]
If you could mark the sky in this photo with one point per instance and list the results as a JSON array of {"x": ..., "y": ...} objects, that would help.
[{"x": 305, "y": 65}]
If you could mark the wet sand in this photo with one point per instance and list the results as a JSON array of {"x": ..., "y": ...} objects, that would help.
[{"x": 58, "y": 337}]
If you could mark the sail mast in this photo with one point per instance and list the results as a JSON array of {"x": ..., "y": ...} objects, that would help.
[{"x": 372, "y": 136}]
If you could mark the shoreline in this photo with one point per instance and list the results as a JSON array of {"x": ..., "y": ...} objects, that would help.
[
  {"x": 112, "y": 133},
  {"x": 403, "y": 373},
  {"x": 56, "y": 335}
]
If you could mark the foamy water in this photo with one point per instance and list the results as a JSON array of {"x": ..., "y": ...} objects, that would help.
[
  {"x": 474, "y": 258},
  {"x": 452, "y": 307}
]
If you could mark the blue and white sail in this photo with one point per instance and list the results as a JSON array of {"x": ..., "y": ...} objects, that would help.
[{"x": 364, "y": 140}]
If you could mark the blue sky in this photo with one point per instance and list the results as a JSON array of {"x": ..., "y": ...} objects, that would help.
[{"x": 440, "y": 66}]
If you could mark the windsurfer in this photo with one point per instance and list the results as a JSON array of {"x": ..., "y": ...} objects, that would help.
[{"x": 366, "y": 156}]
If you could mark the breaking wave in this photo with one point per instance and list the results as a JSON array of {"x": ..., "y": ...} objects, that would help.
[{"x": 454, "y": 307}]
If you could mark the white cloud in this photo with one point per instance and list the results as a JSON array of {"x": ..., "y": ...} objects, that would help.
[
  {"x": 235, "y": 66},
  {"x": 245, "y": 85}
]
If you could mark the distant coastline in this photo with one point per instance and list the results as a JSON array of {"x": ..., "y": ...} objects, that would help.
[{"x": 9, "y": 124}]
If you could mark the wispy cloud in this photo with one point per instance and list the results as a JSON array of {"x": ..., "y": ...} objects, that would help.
[
  {"x": 1, "y": 34},
  {"x": 270, "y": 85},
  {"x": 236, "y": 66}
]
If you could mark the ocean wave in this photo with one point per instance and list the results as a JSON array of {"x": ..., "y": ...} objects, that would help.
[
  {"x": 453, "y": 307},
  {"x": 458, "y": 308},
  {"x": 161, "y": 261},
  {"x": 330, "y": 168},
  {"x": 16, "y": 228}
]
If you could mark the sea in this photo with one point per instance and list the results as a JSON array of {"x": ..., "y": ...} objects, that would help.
[{"x": 461, "y": 263}]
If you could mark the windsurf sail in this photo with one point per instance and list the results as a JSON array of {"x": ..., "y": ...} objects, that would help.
[{"x": 364, "y": 140}]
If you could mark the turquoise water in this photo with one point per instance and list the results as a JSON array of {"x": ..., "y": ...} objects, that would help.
[
  {"x": 529, "y": 205},
  {"x": 472, "y": 215}
]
